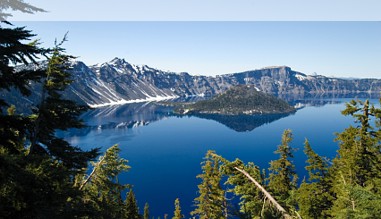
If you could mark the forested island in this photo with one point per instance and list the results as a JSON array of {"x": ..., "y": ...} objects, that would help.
[{"x": 238, "y": 100}]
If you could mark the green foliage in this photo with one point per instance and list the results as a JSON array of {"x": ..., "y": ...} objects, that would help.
[
  {"x": 315, "y": 197},
  {"x": 211, "y": 201},
  {"x": 101, "y": 187},
  {"x": 357, "y": 202},
  {"x": 251, "y": 198},
  {"x": 36, "y": 187},
  {"x": 146, "y": 211},
  {"x": 14, "y": 51},
  {"x": 55, "y": 113},
  {"x": 357, "y": 167},
  {"x": 131, "y": 206},
  {"x": 37, "y": 169},
  {"x": 41, "y": 175},
  {"x": 282, "y": 177},
  {"x": 359, "y": 154},
  {"x": 177, "y": 213},
  {"x": 317, "y": 168}
]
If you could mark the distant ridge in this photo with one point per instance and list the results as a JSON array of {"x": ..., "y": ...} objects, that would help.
[{"x": 119, "y": 82}]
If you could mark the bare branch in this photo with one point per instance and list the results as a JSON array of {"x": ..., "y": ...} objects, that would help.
[
  {"x": 92, "y": 173},
  {"x": 267, "y": 194}
]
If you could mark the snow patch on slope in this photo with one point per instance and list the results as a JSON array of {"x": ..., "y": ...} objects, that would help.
[{"x": 300, "y": 77}]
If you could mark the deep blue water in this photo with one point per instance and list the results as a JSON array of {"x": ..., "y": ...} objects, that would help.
[{"x": 165, "y": 151}]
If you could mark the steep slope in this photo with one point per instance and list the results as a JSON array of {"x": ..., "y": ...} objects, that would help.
[{"x": 118, "y": 82}]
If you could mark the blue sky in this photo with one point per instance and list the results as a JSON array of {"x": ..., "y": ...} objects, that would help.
[
  {"x": 333, "y": 38},
  {"x": 203, "y": 10},
  {"x": 342, "y": 49}
]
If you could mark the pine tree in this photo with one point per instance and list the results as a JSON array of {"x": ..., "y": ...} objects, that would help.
[
  {"x": 251, "y": 199},
  {"x": 39, "y": 172},
  {"x": 131, "y": 206},
  {"x": 282, "y": 177},
  {"x": 15, "y": 52},
  {"x": 256, "y": 201},
  {"x": 359, "y": 153},
  {"x": 146, "y": 211},
  {"x": 357, "y": 167},
  {"x": 56, "y": 113},
  {"x": 177, "y": 213},
  {"x": 211, "y": 201},
  {"x": 314, "y": 197},
  {"x": 102, "y": 188},
  {"x": 51, "y": 163}
]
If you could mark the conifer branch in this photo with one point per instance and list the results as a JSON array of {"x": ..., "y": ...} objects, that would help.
[
  {"x": 92, "y": 173},
  {"x": 263, "y": 207},
  {"x": 267, "y": 194}
]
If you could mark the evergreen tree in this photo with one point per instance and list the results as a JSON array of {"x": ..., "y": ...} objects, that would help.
[
  {"x": 13, "y": 52},
  {"x": 38, "y": 171},
  {"x": 102, "y": 188},
  {"x": 37, "y": 168},
  {"x": 314, "y": 197},
  {"x": 177, "y": 213},
  {"x": 131, "y": 206},
  {"x": 146, "y": 211},
  {"x": 251, "y": 199},
  {"x": 211, "y": 201},
  {"x": 357, "y": 167},
  {"x": 55, "y": 113},
  {"x": 282, "y": 177},
  {"x": 359, "y": 153}
]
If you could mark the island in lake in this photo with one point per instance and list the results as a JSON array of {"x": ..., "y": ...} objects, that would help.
[{"x": 238, "y": 100}]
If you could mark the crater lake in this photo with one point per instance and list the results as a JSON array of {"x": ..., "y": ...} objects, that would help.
[{"x": 165, "y": 150}]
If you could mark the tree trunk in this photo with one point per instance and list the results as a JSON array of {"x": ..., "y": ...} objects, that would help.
[{"x": 267, "y": 194}]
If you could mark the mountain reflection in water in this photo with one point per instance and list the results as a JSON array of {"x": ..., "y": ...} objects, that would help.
[{"x": 132, "y": 115}]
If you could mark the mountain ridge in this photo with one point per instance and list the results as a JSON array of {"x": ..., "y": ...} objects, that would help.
[{"x": 119, "y": 82}]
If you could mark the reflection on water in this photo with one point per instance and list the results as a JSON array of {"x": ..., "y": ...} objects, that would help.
[
  {"x": 324, "y": 98},
  {"x": 133, "y": 115},
  {"x": 141, "y": 114},
  {"x": 119, "y": 117},
  {"x": 243, "y": 123},
  {"x": 126, "y": 113}
]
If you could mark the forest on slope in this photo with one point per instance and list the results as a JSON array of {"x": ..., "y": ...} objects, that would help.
[{"x": 43, "y": 176}]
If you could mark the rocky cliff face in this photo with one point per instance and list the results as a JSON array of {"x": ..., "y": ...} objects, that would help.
[{"x": 118, "y": 81}]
